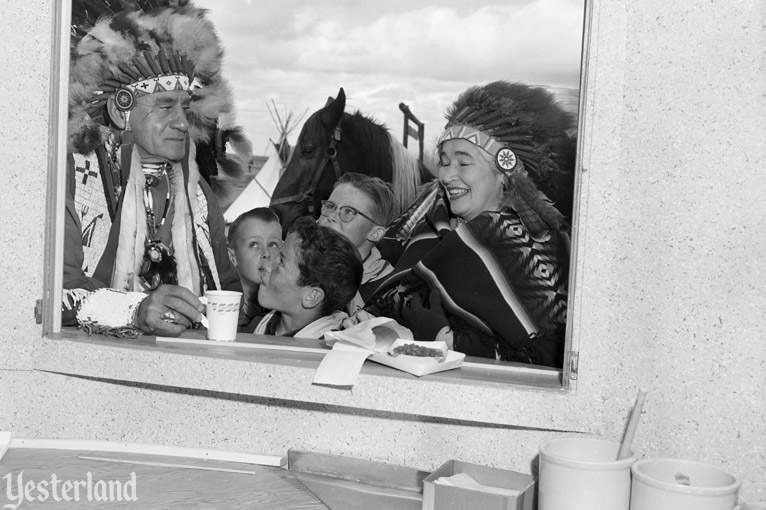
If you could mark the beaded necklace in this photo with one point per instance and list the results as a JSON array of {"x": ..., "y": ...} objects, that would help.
[
  {"x": 159, "y": 265},
  {"x": 153, "y": 173},
  {"x": 112, "y": 160}
]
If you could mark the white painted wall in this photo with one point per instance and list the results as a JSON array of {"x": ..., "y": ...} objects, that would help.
[{"x": 669, "y": 264}]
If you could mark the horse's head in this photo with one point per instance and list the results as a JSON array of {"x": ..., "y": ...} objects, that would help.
[
  {"x": 314, "y": 166},
  {"x": 333, "y": 142}
]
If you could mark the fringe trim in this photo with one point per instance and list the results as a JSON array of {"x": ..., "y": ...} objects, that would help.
[
  {"x": 92, "y": 328},
  {"x": 73, "y": 298},
  {"x": 130, "y": 250},
  {"x": 130, "y": 247},
  {"x": 204, "y": 243},
  {"x": 183, "y": 241},
  {"x": 109, "y": 309}
]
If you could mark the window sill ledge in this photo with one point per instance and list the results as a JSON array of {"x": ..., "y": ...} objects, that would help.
[{"x": 489, "y": 393}]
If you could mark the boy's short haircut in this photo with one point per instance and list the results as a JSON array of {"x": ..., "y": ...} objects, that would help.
[
  {"x": 327, "y": 260},
  {"x": 265, "y": 214},
  {"x": 380, "y": 193}
]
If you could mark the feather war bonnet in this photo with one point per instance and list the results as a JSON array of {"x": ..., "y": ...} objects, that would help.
[
  {"x": 528, "y": 134},
  {"x": 132, "y": 48}
]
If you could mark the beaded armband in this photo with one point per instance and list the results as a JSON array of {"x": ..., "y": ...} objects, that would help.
[{"x": 110, "y": 312}]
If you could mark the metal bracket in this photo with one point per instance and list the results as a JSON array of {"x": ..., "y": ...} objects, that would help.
[
  {"x": 39, "y": 311},
  {"x": 574, "y": 363}
]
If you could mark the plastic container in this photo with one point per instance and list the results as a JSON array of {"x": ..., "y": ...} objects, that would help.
[
  {"x": 583, "y": 474},
  {"x": 445, "y": 497},
  {"x": 672, "y": 484}
]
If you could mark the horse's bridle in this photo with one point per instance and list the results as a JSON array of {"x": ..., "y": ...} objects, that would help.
[{"x": 330, "y": 156}]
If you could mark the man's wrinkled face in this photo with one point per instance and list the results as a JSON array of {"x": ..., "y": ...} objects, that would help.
[{"x": 160, "y": 127}]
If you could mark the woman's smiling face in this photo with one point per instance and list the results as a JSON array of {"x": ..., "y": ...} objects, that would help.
[{"x": 469, "y": 176}]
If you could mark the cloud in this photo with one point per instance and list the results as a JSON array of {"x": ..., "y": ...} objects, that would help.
[
  {"x": 384, "y": 53},
  {"x": 492, "y": 42}
]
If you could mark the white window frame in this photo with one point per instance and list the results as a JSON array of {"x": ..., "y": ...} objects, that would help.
[{"x": 514, "y": 375}]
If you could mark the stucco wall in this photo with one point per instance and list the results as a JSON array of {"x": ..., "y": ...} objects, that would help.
[{"x": 669, "y": 276}]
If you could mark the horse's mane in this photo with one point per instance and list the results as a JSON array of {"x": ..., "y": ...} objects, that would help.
[
  {"x": 373, "y": 136},
  {"x": 408, "y": 177},
  {"x": 385, "y": 157}
]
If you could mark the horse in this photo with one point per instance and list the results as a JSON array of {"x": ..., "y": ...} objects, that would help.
[{"x": 333, "y": 142}]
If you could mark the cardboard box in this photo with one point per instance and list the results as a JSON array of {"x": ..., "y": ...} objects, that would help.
[{"x": 445, "y": 497}]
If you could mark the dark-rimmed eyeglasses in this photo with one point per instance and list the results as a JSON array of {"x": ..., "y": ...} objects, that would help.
[{"x": 346, "y": 213}]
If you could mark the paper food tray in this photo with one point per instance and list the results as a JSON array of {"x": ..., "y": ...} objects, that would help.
[{"x": 417, "y": 365}]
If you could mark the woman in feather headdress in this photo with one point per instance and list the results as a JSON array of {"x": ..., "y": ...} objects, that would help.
[{"x": 482, "y": 255}]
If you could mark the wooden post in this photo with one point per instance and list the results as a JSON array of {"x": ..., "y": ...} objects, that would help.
[{"x": 409, "y": 131}]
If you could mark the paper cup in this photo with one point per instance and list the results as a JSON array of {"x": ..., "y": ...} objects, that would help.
[
  {"x": 582, "y": 474},
  {"x": 222, "y": 314},
  {"x": 672, "y": 484}
]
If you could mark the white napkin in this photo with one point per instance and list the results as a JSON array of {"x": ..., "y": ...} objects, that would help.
[
  {"x": 352, "y": 346},
  {"x": 465, "y": 481}
]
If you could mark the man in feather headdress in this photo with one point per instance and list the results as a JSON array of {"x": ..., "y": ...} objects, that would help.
[{"x": 145, "y": 90}]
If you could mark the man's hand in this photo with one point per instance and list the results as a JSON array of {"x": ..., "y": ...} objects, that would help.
[{"x": 168, "y": 311}]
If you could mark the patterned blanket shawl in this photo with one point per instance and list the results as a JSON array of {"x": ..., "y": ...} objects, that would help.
[{"x": 503, "y": 292}]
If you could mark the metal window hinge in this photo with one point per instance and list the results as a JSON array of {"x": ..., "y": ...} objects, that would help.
[
  {"x": 574, "y": 362},
  {"x": 39, "y": 311}
]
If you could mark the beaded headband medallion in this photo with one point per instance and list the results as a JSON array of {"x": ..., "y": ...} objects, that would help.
[
  {"x": 145, "y": 74},
  {"x": 505, "y": 158}
]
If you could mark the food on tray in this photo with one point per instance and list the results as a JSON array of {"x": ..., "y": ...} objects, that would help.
[
  {"x": 420, "y": 358},
  {"x": 418, "y": 350}
]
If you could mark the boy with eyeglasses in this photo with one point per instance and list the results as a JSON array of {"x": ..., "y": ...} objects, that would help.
[{"x": 361, "y": 208}]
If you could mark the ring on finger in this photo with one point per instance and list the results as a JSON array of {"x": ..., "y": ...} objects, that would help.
[{"x": 168, "y": 316}]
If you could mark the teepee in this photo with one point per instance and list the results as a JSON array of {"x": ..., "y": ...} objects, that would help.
[
  {"x": 258, "y": 191},
  {"x": 285, "y": 125}
]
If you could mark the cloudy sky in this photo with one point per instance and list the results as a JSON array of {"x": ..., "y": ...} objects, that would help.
[{"x": 419, "y": 52}]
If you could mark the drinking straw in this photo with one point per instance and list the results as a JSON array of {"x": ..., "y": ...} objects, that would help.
[{"x": 630, "y": 432}]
